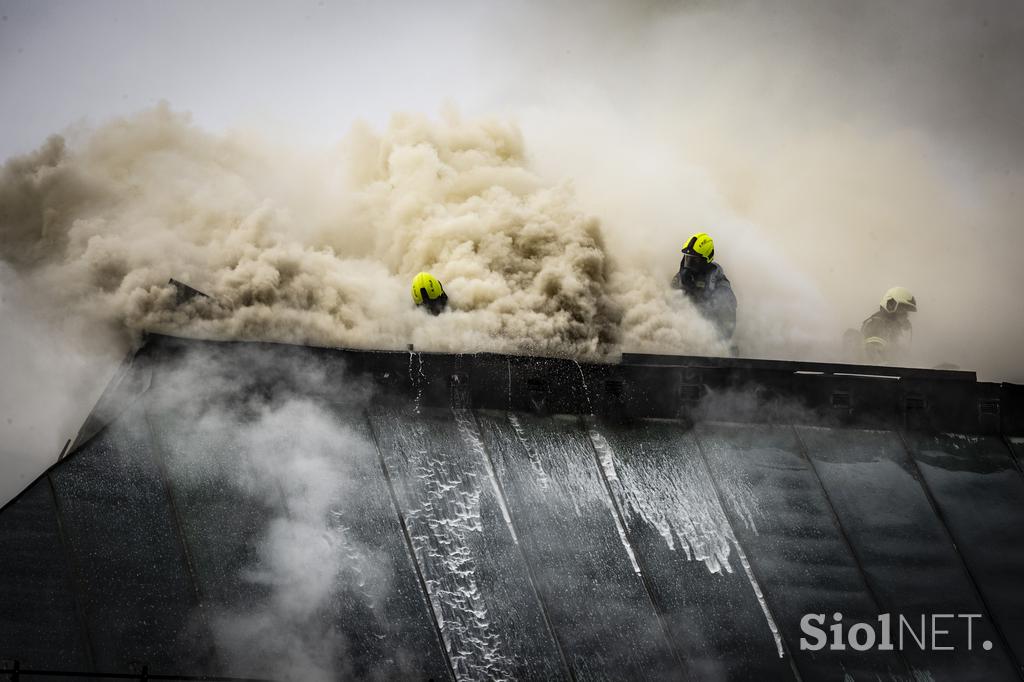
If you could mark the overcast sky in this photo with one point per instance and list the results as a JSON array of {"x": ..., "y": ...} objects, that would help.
[
  {"x": 309, "y": 66},
  {"x": 312, "y": 66}
]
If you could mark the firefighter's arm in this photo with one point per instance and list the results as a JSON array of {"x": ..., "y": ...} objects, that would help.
[{"x": 723, "y": 308}]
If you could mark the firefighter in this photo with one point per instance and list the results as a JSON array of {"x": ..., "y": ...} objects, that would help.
[
  {"x": 428, "y": 292},
  {"x": 887, "y": 334},
  {"x": 705, "y": 283}
]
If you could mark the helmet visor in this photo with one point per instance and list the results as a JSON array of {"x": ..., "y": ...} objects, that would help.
[
  {"x": 893, "y": 305},
  {"x": 693, "y": 261}
]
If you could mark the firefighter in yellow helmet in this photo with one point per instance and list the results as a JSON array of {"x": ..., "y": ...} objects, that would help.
[
  {"x": 887, "y": 333},
  {"x": 428, "y": 292},
  {"x": 704, "y": 282}
]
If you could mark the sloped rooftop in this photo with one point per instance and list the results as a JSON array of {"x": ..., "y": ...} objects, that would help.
[{"x": 279, "y": 511}]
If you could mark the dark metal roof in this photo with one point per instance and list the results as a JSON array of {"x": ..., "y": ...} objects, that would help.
[{"x": 518, "y": 517}]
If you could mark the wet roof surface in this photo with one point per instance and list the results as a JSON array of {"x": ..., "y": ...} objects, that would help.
[{"x": 269, "y": 511}]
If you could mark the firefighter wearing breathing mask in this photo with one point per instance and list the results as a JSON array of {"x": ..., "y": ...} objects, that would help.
[
  {"x": 887, "y": 333},
  {"x": 704, "y": 282}
]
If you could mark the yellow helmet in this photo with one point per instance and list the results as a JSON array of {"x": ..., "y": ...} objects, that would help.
[
  {"x": 426, "y": 284},
  {"x": 702, "y": 245},
  {"x": 898, "y": 300}
]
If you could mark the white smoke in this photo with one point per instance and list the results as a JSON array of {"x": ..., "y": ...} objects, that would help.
[
  {"x": 291, "y": 468},
  {"x": 53, "y": 368},
  {"x": 297, "y": 456}
]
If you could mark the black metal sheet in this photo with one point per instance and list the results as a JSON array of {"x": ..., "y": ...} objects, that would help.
[
  {"x": 140, "y": 604},
  {"x": 1017, "y": 446},
  {"x": 386, "y": 614},
  {"x": 247, "y": 490},
  {"x": 905, "y": 551},
  {"x": 584, "y": 568},
  {"x": 38, "y": 621},
  {"x": 221, "y": 520},
  {"x": 695, "y": 566},
  {"x": 783, "y": 520},
  {"x": 980, "y": 494},
  {"x": 479, "y": 585},
  {"x": 136, "y": 578}
]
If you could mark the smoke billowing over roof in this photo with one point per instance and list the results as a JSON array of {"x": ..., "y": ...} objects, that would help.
[{"x": 554, "y": 160}]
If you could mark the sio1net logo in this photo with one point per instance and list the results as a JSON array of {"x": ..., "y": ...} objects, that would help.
[{"x": 888, "y": 632}]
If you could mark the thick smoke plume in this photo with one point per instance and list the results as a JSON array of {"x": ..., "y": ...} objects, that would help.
[
  {"x": 320, "y": 248},
  {"x": 833, "y": 149}
]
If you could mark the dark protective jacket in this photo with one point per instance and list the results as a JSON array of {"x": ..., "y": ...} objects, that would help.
[
  {"x": 886, "y": 336},
  {"x": 712, "y": 293}
]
